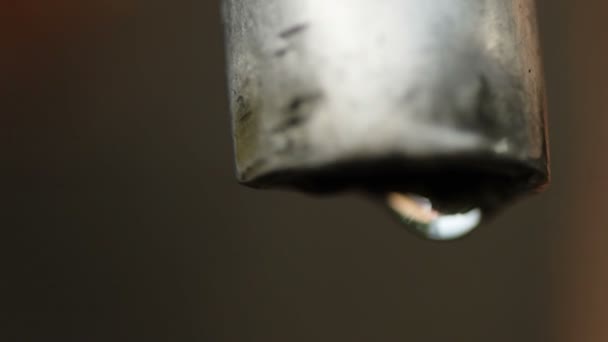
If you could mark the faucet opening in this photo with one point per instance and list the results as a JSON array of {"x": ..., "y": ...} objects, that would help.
[{"x": 461, "y": 179}]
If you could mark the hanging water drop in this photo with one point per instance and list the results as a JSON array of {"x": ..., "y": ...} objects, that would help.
[{"x": 425, "y": 218}]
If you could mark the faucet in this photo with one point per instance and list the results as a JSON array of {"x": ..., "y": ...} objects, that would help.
[{"x": 434, "y": 108}]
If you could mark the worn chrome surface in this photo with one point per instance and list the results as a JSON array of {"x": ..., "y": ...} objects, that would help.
[{"x": 315, "y": 83}]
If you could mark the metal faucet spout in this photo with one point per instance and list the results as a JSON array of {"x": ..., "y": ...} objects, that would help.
[{"x": 440, "y": 97}]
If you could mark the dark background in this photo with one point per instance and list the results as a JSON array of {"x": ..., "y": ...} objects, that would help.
[{"x": 121, "y": 219}]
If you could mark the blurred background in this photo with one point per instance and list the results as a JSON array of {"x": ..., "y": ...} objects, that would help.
[{"x": 121, "y": 219}]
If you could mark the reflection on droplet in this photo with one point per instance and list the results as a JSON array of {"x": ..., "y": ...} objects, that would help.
[{"x": 419, "y": 214}]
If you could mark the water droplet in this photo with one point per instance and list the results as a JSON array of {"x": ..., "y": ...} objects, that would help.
[{"x": 429, "y": 220}]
